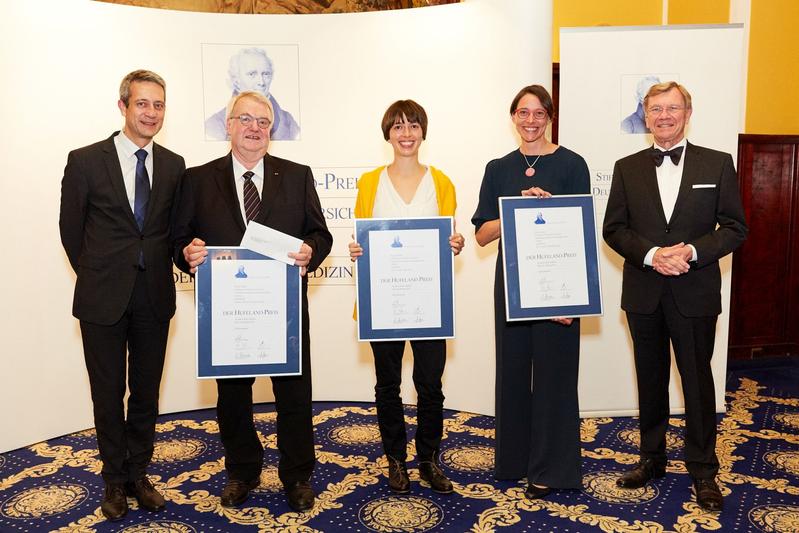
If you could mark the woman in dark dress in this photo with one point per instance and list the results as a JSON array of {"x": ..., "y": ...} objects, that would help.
[{"x": 537, "y": 412}]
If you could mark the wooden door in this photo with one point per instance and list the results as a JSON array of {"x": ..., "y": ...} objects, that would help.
[{"x": 764, "y": 303}]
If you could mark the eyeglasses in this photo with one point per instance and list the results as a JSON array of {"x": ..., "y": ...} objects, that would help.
[
  {"x": 262, "y": 122},
  {"x": 670, "y": 109},
  {"x": 523, "y": 113}
]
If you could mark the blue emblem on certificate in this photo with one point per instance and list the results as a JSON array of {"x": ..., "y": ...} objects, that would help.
[
  {"x": 404, "y": 279},
  {"x": 549, "y": 250},
  {"x": 248, "y": 315}
]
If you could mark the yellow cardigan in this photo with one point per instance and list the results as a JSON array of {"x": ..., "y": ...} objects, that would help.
[{"x": 367, "y": 190}]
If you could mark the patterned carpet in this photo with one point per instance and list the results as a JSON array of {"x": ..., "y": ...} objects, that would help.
[{"x": 54, "y": 485}]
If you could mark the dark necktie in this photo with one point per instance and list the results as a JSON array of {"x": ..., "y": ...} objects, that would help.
[
  {"x": 142, "y": 194},
  {"x": 252, "y": 202},
  {"x": 674, "y": 154}
]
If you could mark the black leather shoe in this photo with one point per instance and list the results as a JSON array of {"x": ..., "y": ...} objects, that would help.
[
  {"x": 535, "y": 493},
  {"x": 237, "y": 491},
  {"x": 398, "y": 480},
  {"x": 114, "y": 505},
  {"x": 645, "y": 470},
  {"x": 300, "y": 496},
  {"x": 147, "y": 496},
  {"x": 430, "y": 472},
  {"x": 708, "y": 495}
]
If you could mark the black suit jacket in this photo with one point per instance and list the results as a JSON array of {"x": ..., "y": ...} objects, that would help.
[
  {"x": 103, "y": 241},
  {"x": 209, "y": 209},
  {"x": 707, "y": 214}
]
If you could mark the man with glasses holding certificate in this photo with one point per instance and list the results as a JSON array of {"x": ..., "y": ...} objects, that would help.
[
  {"x": 217, "y": 201},
  {"x": 674, "y": 210}
]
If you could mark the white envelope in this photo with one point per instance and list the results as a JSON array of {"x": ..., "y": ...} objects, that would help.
[{"x": 270, "y": 242}]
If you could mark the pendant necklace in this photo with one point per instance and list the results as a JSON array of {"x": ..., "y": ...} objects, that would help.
[{"x": 530, "y": 172}]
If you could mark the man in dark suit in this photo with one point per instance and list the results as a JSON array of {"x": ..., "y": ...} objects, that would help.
[
  {"x": 117, "y": 200},
  {"x": 674, "y": 210},
  {"x": 218, "y": 199}
]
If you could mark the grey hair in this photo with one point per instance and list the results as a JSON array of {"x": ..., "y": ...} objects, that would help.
[
  {"x": 139, "y": 75},
  {"x": 253, "y": 95}
]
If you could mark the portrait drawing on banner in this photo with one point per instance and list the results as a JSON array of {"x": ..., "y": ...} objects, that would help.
[
  {"x": 272, "y": 70},
  {"x": 633, "y": 91}
]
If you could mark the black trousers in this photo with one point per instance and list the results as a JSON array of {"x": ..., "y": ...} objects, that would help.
[
  {"x": 429, "y": 358},
  {"x": 537, "y": 410},
  {"x": 693, "y": 339},
  {"x": 244, "y": 453},
  {"x": 131, "y": 350}
]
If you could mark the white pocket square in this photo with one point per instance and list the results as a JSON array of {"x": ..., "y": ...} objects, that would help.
[{"x": 704, "y": 186}]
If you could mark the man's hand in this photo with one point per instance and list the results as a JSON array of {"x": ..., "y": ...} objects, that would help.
[
  {"x": 302, "y": 258},
  {"x": 194, "y": 253},
  {"x": 672, "y": 260}
]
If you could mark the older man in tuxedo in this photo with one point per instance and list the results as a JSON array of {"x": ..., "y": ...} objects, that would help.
[
  {"x": 117, "y": 203},
  {"x": 217, "y": 200},
  {"x": 674, "y": 210}
]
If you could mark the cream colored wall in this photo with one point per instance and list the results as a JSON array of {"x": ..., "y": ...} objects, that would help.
[{"x": 65, "y": 63}]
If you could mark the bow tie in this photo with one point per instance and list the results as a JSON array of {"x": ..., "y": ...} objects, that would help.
[{"x": 674, "y": 154}]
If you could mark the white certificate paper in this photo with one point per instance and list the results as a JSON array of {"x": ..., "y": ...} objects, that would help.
[
  {"x": 270, "y": 242},
  {"x": 405, "y": 279},
  {"x": 249, "y": 312},
  {"x": 551, "y": 254}
]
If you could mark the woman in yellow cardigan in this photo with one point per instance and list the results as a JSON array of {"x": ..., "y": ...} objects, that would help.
[{"x": 406, "y": 188}]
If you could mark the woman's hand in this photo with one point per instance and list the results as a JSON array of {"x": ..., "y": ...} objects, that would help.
[
  {"x": 538, "y": 192},
  {"x": 456, "y": 242},
  {"x": 355, "y": 251},
  {"x": 564, "y": 321}
]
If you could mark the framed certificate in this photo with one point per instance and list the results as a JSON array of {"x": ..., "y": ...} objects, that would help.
[
  {"x": 249, "y": 315},
  {"x": 549, "y": 250},
  {"x": 404, "y": 280}
]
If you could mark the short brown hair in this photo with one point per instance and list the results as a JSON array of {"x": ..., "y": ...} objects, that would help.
[
  {"x": 403, "y": 110},
  {"x": 539, "y": 92},
  {"x": 139, "y": 75},
  {"x": 666, "y": 86}
]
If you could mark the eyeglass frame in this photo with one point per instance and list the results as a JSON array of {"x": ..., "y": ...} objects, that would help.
[
  {"x": 538, "y": 114},
  {"x": 657, "y": 110},
  {"x": 245, "y": 119}
]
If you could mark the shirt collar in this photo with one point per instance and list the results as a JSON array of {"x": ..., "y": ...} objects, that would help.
[
  {"x": 239, "y": 169},
  {"x": 683, "y": 143},
  {"x": 129, "y": 148}
]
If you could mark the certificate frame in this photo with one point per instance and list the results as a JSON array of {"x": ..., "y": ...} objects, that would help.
[
  {"x": 514, "y": 310},
  {"x": 446, "y": 272},
  {"x": 205, "y": 328}
]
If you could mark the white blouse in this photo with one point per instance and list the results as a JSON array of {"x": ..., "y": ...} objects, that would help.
[{"x": 389, "y": 204}]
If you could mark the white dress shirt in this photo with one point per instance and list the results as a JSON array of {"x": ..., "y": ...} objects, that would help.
[
  {"x": 669, "y": 177},
  {"x": 257, "y": 179},
  {"x": 126, "y": 152}
]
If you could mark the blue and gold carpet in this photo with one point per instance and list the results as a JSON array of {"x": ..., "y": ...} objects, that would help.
[{"x": 55, "y": 485}]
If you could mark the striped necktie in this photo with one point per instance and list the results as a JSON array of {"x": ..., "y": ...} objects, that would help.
[{"x": 252, "y": 202}]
